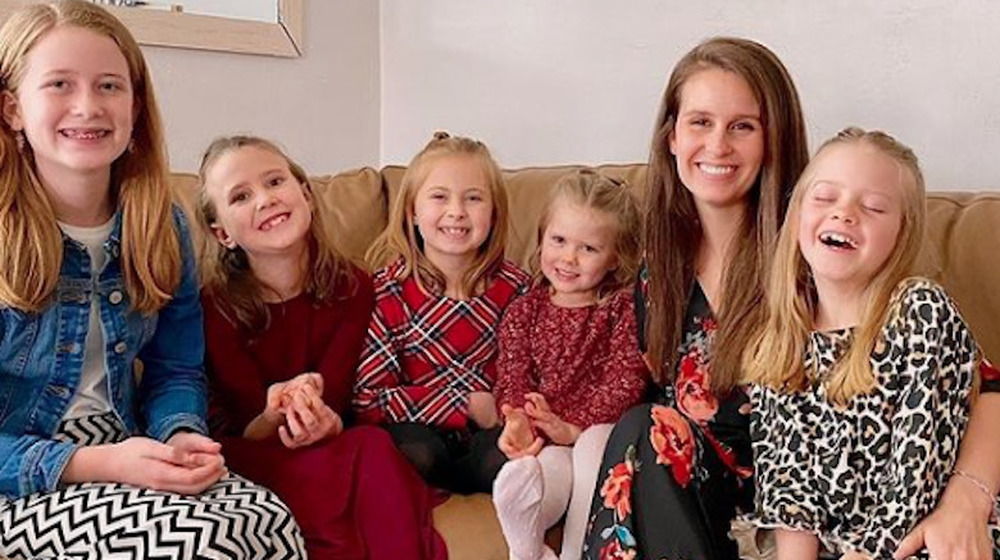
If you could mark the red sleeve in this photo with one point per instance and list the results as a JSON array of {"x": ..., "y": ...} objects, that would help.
[
  {"x": 514, "y": 364},
  {"x": 236, "y": 392},
  {"x": 623, "y": 380},
  {"x": 340, "y": 361}
]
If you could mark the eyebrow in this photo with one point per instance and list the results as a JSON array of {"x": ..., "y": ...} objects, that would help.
[{"x": 755, "y": 117}]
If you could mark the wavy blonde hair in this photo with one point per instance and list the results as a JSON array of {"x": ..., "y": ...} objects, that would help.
[
  {"x": 401, "y": 239},
  {"x": 32, "y": 243},
  {"x": 226, "y": 273},
  {"x": 672, "y": 233},
  {"x": 775, "y": 358},
  {"x": 587, "y": 188}
]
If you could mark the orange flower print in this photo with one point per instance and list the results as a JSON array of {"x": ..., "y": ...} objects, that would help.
[
  {"x": 673, "y": 442},
  {"x": 694, "y": 391},
  {"x": 617, "y": 489}
]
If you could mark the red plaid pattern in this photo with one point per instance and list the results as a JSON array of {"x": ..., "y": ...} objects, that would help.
[{"x": 425, "y": 353}]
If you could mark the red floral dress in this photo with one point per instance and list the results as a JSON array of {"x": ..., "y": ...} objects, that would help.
[{"x": 678, "y": 469}]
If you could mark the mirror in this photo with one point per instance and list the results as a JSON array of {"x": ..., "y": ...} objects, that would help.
[{"x": 271, "y": 27}]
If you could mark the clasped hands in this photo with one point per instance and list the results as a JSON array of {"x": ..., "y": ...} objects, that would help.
[
  {"x": 296, "y": 413},
  {"x": 523, "y": 426}
]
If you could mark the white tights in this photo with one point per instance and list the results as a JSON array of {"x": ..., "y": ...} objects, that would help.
[{"x": 532, "y": 493}]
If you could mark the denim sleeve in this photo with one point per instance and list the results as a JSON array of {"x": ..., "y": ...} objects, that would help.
[
  {"x": 173, "y": 394},
  {"x": 30, "y": 464}
]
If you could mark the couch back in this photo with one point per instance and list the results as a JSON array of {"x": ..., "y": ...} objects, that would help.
[{"x": 962, "y": 250}]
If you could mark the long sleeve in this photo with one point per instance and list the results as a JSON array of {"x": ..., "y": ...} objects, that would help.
[
  {"x": 929, "y": 417},
  {"x": 622, "y": 376},
  {"x": 515, "y": 366},
  {"x": 384, "y": 393},
  {"x": 339, "y": 362},
  {"x": 237, "y": 387},
  {"x": 173, "y": 392}
]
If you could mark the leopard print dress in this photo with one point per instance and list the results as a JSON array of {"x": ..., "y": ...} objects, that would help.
[{"x": 862, "y": 475}]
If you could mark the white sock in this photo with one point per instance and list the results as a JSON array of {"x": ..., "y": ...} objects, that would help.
[
  {"x": 587, "y": 454},
  {"x": 517, "y": 495}
]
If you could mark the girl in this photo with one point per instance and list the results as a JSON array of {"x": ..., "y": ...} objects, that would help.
[
  {"x": 96, "y": 458},
  {"x": 855, "y": 444},
  {"x": 285, "y": 318},
  {"x": 569, "y": 363},
  {"x": 428, "y": 364}
]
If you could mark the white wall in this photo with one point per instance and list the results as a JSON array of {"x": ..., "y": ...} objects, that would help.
[
  {"x": 556, "y": 81},
  {"x": 323, "y": 107}
]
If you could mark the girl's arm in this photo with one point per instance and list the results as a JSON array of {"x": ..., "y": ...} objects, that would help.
[
  {"x": 796, "y": 545},
  {"x": 957, "y": 526},
  {"x": 30, "y": 464},
  {"x": 514, "y": 363},
  {"x": 624, "y": 376},
  {"x": 340, "y": 361},
  {"x": 934, "y": 384},
  {"x": 173, "y": 394},
  {"x": 385, "y": 393}
]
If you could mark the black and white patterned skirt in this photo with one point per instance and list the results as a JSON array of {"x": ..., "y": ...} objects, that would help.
[{"x": 233, "y": 519}]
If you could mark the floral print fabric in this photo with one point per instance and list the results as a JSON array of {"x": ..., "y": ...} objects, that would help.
[{"x": 677, "y": 471}]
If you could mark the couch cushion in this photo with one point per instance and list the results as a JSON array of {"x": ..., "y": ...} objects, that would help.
[{"x": 962, "y": 252}]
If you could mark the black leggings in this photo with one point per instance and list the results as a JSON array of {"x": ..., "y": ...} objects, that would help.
[{"x": 460, "y": 462}]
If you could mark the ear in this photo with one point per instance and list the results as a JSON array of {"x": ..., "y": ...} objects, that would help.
[
  {"x": 222, "y": 236},
  {"x": 11, "y": 111},
  {"x": 672, "y": 141}
]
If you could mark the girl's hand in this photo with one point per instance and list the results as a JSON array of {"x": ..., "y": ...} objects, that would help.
[
  {"x": 555, "y": 428},
  {"x": 279, "y": 395},
  {"x": 308, "y": 420},
  {"x": 145, "y": 463},
  {"x": 956, "y": 529},
  {"x": 517, "y": 438},
  {"x": 483, "y": 409}
]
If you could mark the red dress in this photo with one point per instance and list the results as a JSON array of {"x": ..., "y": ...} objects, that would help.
[{"x": 354, "y": 495}]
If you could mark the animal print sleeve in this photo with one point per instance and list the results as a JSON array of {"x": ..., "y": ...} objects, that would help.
[
  {"x": 785, "y": 498},
  {"x": 933, "y": 356}
]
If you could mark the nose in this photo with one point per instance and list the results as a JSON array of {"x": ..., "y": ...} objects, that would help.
[
  {"x": 266, "y": 198},
  {"x": 845, "y": 213},
  {"x": 87, "y": 103},
  {"x": 456, "y": 208},
  {"x": 569, "y": 255},
  {"x": 717, "y": 142}
]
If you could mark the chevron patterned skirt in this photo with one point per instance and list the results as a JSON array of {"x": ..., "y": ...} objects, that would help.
[{"x": 233, "y": 519}]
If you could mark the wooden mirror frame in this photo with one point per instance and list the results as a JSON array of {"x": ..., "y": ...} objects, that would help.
[{"x": 165, "y": 28}]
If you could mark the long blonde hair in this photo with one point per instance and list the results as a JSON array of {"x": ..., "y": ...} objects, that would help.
[
  {"x": 590, "y": 189},
  {"x": 32, "y": 243},
  {"x": 672, "y": 232},
  {"x": 775, "y": 358},
  {"x": 226, "y": 273},
  {"x": 401, "y": 239}
]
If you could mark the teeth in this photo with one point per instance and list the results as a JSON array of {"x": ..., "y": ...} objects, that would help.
[
  {"x": 454, "y": 231},
  {"x": 838, "y": 240},
  {"x": 84, "y": 134},
  {"x": 279, "y": 219},
  {"x": 716, "y": 169}
]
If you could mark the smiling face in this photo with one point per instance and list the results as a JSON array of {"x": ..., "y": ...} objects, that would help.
[
  {"x": 259, "y": 205},
  {"x": 453, "y": 211},
  {"x": 851, "y": 215},
  {"x": 74, "y": 103},
  {"x": 718, "y": 138},
  {"x": 577, "y": 252}
]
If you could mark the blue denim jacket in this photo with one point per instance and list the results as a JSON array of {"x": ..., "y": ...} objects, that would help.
[{"x": 41, "y": 356}]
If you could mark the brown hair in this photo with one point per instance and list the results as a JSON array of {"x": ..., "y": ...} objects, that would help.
[
  {"x": 775, "y": 356},
  {"x": 32, "y": 243},
  {"x": 401, "y": 239},
  {"x": 673, "y": 230},
  {"x": 590, "y": 189},
  {"x": 226, "y": 273}
]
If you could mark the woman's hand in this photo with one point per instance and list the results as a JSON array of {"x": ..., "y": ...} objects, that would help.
[
  {"x": 956, "y": 529},
  {"x": 517, "y": 438},
  {"x": 555, "y": 428}
]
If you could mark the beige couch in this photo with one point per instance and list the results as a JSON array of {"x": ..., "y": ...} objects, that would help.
[{"x": 962, "y": 252}]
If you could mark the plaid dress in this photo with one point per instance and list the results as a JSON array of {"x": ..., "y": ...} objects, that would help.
[{"x": 425, "y": 353}]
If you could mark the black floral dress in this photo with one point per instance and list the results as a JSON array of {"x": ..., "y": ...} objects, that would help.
[{"x": 676, "y": 471}]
